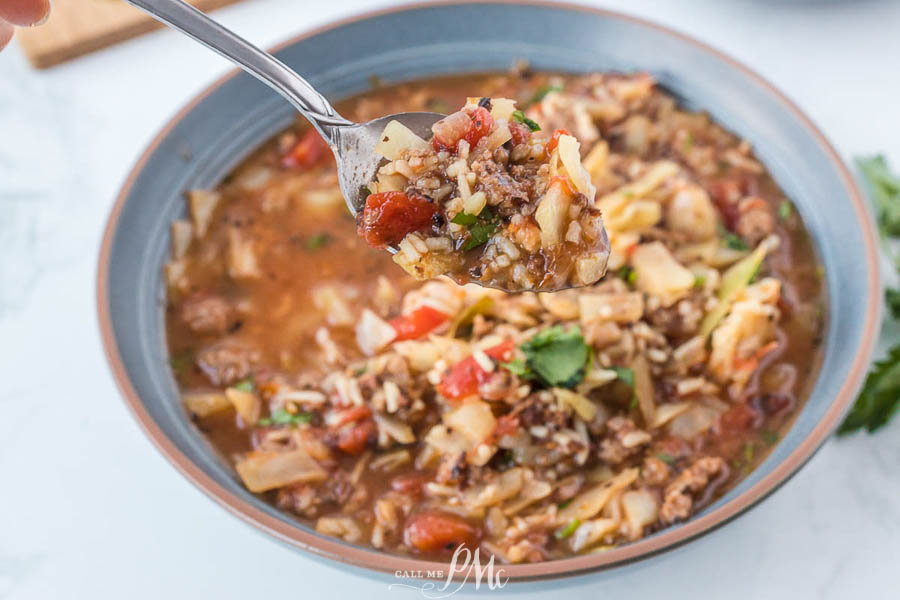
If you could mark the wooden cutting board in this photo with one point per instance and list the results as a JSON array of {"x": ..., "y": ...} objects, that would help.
[{"x": 77, "y": 27}]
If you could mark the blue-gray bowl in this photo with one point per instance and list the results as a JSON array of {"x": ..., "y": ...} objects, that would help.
[{"x": 237, "y": 114}]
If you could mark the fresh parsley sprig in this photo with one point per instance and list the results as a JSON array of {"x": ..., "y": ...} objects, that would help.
[
  {"x": 480, "y": 227},
  {"x": 879, "y": 399},
  {"x": 555, "y": 356}
]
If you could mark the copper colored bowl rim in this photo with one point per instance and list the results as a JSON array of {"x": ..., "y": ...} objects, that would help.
[{"x": 383, "y": 562}]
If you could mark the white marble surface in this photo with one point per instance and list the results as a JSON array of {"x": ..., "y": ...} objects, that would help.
[{"x": 89, "y": 509}]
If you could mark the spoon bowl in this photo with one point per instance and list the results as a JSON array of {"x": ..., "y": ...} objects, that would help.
[{"x": 354, "y": 149}]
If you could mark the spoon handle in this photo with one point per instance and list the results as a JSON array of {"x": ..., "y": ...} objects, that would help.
[{"x": 262, "y": 65}]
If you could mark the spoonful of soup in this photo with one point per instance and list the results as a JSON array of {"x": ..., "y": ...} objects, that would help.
[{"x": 478, "y": 195}]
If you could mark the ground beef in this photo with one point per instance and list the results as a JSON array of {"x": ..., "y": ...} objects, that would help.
[
  {"x": 227, "y": 362},
  {"x": 207, "y": 313},
  {"x": 623, "y": 440},
  {"x": 678, "y": 501},
  {"x": 505, "y": 187}
]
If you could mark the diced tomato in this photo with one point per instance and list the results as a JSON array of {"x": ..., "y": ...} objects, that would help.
[
  {"x": 409, "y": 483},
  {"x": 355, "y": 439},
  {"x": 308, "y": 151},
  {"x": 434, "y": 531},
  {"x": 389, "y": 216},
  {"x": 506, "y": 425},
  {"x": 482, "y": 123},
  {"x": 352, "y": 414},
  {"x": 554, "y": 140},
  {"x": 417, "y": 323},
  {"x": 740, "y": 417},
  {"x": 464, "y": 377},
  {"x": 461, "y": 126},
  {"x": 521, "y": 134}
]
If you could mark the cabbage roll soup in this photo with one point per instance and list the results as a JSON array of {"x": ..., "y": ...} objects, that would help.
[
  {"x": 488, "y": 199},
  {"x": 418, "y": 416}
]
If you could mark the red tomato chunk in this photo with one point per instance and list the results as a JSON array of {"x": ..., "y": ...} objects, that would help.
[
  {"x": 434, "y": 531},
  {"x": 464, "y": 377},
  {"x": 461, "y": 126},
  {"x": 355, "y": 439},
  {"x": 389, "y": 216},
  {"x": 418, "y": 323},
  {"x": 308, "y": 151}
]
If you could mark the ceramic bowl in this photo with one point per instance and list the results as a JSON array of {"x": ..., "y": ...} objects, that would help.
[{"x": 236, "y": 114}]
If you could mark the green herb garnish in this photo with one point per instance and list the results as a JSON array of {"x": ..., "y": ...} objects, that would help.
[
  {"x": 564, "y": 532},
  {"x": 364, "y": 193},
  {"x": 785, "y": 210},
  {"x": 283, "y": 417},
  {"x": 543, "y": 91},
  {"x": 769, "y": 437},
  {"x": 880, "y": 396},
  {"x": 564, "y": 504},
  {"x": 557, "y": 356},
  {"x": 731, "y": 240},
  {"x": 520, "y": 117},
  {"x": 464, "y": 218},
  {"x": 699, "y": 281},
  {"x": 245, "y": 385},
  {"x": 625, "y": 375},
  {"x": 885, "y": 188},
  {"x": 480, "y": 227},
  {"x": 319, "y": 240},
  {"x": 517, "y": 366},
  {"x": 627, "y": 274},
  {"x": 666, "y": 458},
  {"x": 892, "y": 298}
]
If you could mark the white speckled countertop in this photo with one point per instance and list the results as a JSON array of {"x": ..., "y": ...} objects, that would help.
[{"x": 88, "y": 508}]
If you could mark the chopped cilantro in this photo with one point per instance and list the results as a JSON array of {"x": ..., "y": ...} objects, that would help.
[
  {"x": 627, "y": 274},
  {"x": 480, "y": 229},
  {"x": 245, "y": 385},
  {"x": 520, "y": 117},
  {"x": 625, "y": 375},
  {"x": 517, "y": 366},
  {"x": 699, "y": 281},
  {"x": 564, "y": 504},
  {"x": 283, "y": 417},
  {"x": 319, "y": 240},
  {"x": 785, "y": 210},
  {"x": 464, "y": 218},
  {"x": 543, "y": 91},
  {"x": 557, "y": 356},
  {"x": 564, "y": 532},
  {"x": 666, "y": 458},
  {"x": 769, "y": 437},
  {"x": 731, "y": 240}
]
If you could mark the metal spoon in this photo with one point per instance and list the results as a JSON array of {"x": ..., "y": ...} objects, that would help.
[{"x": 353, "y": 144}]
